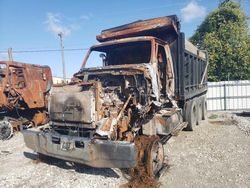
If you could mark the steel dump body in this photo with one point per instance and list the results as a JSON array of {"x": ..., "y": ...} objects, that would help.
[{"x": 137, "y": 100}]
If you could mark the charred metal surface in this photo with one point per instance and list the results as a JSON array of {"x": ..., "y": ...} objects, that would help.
[
  {"x": 23, "y": 93},
  {"x": 152, "y": 27}
]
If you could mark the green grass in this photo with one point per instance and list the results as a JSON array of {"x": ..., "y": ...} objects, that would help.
[{"x": 213, "y": 116}]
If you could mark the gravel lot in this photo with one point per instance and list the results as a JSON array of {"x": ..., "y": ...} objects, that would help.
[{"x": 216, "y": 154}]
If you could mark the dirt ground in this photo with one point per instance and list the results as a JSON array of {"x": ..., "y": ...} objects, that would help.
[{"x": 215, "y": 154}]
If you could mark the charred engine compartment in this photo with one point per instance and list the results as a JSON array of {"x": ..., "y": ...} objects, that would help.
[{"x": 105, "y": 106}]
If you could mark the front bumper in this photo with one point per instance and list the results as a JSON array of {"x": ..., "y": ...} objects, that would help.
[{"x": 91, "y": 152}]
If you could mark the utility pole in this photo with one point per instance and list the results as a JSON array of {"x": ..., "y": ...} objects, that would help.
[
  {"x": 10, "y": 54},
  {"x": 62, "y": 54}
]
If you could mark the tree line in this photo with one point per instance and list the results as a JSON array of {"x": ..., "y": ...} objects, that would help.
[{"x": 224, "y": 33}]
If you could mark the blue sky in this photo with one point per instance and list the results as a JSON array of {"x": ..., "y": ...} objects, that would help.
[{"x": 33, "y": 24}]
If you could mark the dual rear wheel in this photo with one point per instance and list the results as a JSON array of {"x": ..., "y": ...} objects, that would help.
[{"x": 195, "y": 110}]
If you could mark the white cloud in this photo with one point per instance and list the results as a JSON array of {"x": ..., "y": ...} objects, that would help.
[
  {"x": 84, "y": 17},
  {"x": 55, "y": 25},
  {"x": 192, "y": 11}
]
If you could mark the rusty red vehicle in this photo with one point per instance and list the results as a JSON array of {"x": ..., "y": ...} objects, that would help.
[{"x": 23, "y": 96}]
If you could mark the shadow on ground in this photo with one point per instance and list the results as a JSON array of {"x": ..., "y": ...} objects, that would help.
[
  {"x": 243, "y": 114},
  {"x": 80, "y": 168}
]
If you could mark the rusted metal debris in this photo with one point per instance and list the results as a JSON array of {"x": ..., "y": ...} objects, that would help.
[
  {"x": 144, "y": 174},
  {"x": 23, "y": 96}
]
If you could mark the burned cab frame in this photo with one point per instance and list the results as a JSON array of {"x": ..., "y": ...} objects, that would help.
[
  {"x": 121, "y": 113},
  {"x": 24, "y": 89}
]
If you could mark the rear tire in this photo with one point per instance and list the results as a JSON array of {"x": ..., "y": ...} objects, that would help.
[
  {"x": 199, "y": 111},
  {"x": 191, "y": 115},
  {"x": 204, "y": 108}
]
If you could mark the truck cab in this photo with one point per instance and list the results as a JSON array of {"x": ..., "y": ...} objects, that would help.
[{"x": 140, "y": 51}]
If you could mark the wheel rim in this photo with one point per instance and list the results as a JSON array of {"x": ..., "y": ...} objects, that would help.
[
  {"x": 6, "y": 130},
  {"x": 155, "y": 158}
]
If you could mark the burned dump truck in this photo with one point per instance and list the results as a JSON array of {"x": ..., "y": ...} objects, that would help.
[
  {"x": 23, "y": 96},
  {"x": 151, "y": 83}
]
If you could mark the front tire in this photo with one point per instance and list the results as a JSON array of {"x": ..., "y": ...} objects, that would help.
[{"x": 155, "y": 158}]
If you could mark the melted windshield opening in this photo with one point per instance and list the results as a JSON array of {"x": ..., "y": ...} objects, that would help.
[{"x": 120, "y": 54}]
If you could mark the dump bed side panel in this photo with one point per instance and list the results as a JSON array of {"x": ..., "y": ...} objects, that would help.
[{"x": 191, "y": 70}]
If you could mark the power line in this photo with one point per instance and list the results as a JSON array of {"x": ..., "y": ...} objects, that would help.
[{"x": 46, "y": 50}]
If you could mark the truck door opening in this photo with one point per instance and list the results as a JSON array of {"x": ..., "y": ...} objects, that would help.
[
  {"x": 165, "y": 71},
  {"x": 162, "y": 64}
]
